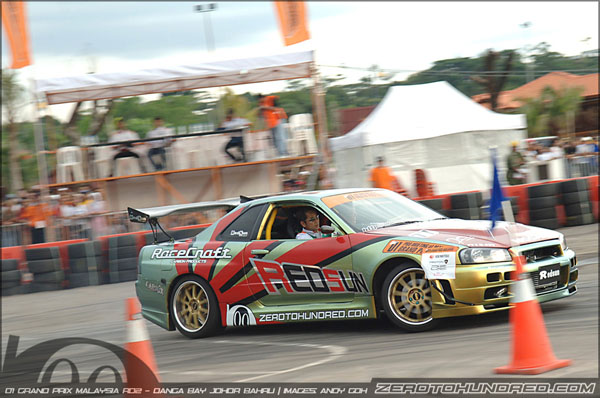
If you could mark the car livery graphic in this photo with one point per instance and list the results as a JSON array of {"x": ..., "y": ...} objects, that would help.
[{"x": 248, "y": 268}]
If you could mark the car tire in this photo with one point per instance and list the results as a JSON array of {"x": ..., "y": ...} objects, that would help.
[
  {"x": 434, "y": 204},
  {"x": 547, "y": 189},
  {"x": 542, "y": 213},
  {"x": 9, "y": 276},
  {"x": 42, "y": 266},
  {"x": 577, "y": 209},
  {"x": 49, "y": 277},
  {"x": 577, "y": 185},
  {"x": 550, "y": 223},
  {"x": 582, "y": 219},
  {"x": 10, "y": 265},
  {"x": 575, "y": 197},
  {"x": 542, "y": 202},
  {"x": 203, "y": 304},
  {"x": 406, "y": 298}
]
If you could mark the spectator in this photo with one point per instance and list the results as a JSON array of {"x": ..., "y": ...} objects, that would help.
[
  {"x": 97, "y": 208},
  {"x": 515, "y": 163},
  {"x": 157, "y": 147},
  {"x": 382, "y": 177},
  {"x": 557, "y": 149},
  {"x": 237, "y": 139},
  {"x": 124, "y": 150},
  {"x": 66, "y": 213},
  {"x": 274, "y": 119},
  {"x": 37, "y": 214}
]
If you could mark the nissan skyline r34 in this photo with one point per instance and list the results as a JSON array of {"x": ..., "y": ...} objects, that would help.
[{"x": 379, "y": 253}]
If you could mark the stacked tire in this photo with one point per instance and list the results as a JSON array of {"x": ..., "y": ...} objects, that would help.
[
  {"x": 466, "y": 206},
  {"x": 85, "y": 264},
  {"x": 433, "y": 204},
  {"x": 575, "y": 197},
  {"x": 122, "y": 258},
  {"x": 542, "y": 205},
  {"x": 485, "y": 210},
  {"x": 185, "y": 233},
  {"x": 45, "y": 265},
  {"x": 11, "y": 278}
]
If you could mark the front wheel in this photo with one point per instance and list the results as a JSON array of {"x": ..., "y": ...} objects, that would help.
[
  {"x": 194, "y": 308},
  {"x": 406, "y": 298}
]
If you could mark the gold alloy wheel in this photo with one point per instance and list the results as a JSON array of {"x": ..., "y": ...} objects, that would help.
[
  {"x": 409, "y": 296},
  {"x": 191, "y": 306}
]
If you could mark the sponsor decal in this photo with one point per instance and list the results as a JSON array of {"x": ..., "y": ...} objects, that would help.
[
  {"x": 401, "y": 246},
  {"x": 240, "y": 233},
  {"x": 313, "y": 315},
  {"x": 190, "y": 254},
  {"x": 549, "y": 274},
  {"x": 155, "y": 287},
  {"x": 439, "y": 265},
  {"x": 298, "y": 278},
  {"x": 240, "y": 315}
]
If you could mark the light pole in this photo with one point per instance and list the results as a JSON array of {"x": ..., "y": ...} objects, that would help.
[
  {"x": 206, "y": 9},
  {"x": 529, "y": 65}
]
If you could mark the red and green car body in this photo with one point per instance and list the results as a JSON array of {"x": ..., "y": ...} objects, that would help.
[{"x": 261, "y": 274}]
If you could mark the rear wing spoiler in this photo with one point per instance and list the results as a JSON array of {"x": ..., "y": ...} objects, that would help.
[
  {"x": 152, "y": 214},
  {"x": 144, "y": 215}
]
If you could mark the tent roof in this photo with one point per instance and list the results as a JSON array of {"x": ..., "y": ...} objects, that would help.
[
  {"x": 182, "y": 78},
  {"x": 424, "y": 111}
]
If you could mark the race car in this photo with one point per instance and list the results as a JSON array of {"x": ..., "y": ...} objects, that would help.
[{"x": 378, "y": 253}]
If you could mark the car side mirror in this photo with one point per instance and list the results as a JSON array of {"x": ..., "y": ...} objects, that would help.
[{"x": 327, "y": 229}]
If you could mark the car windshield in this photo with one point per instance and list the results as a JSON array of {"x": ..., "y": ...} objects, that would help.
[{"x": 368, "y": 210}]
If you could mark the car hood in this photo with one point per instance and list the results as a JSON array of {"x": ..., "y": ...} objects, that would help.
[{"x": 471, "y": 233}]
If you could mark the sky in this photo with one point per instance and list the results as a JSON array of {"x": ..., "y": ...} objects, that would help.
[{"x": 73, "y": 38}]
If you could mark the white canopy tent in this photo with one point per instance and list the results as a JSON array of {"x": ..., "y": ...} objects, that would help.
[
  {"x": 432, "y": 127},
  {"x": 162, "y": 80}
]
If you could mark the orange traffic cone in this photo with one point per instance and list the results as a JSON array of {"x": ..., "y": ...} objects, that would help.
[
  {"x": 531, "y": 350},
  {"x": 140, "y": 365}
]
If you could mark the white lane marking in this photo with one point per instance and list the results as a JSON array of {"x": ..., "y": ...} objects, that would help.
[
  {"x": 587, "y": 261},
  {"x": 334, "y": 353}
]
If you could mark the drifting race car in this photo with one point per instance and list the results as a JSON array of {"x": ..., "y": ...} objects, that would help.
[{"x": 247, "y": 268}]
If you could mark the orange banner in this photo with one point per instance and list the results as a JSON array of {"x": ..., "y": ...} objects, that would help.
[
  {"x": 15, "y": 26},
  {"x": 293, "y": 21}
]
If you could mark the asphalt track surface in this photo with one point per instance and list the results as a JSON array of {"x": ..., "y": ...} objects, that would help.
[{"x": 343, "y": 351}]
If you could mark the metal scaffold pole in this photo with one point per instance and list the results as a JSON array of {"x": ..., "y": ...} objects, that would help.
[{"x": 321, "y": 128}]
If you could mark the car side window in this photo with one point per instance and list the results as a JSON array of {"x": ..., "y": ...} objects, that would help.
[
  {"x": 282, "y": 223},
  {"x": 244, "y": 228}
]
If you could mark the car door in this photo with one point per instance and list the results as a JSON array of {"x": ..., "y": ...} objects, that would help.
[
  {"x": 228, "y": 277},
  {"x": 289, "y": 271}
]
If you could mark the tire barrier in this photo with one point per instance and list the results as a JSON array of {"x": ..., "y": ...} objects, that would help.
[
  {"x": 122, "y": 258},
  {"x": 485, "y": 209},
  {"x": 86, "y": 264},
  {"x": 434, "y": 204},
  {"x": 542, "y": 205},
  {"x": 575, "y": 197},
  {"x": 11, "y": 277},
  {"x": 186, "y": 233},
  {"x": 466, "y": 206},
  {"x": 45, "y": 265}
]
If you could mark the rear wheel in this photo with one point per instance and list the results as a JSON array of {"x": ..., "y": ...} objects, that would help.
[
  {"x": 194, "y": 308},
  {"x": 406, "y": 298}
]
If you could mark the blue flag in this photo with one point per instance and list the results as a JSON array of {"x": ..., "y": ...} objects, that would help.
[{"x": 497, "y": 196}]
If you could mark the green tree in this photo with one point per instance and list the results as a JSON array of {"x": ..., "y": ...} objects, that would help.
[
  {"x": 12, "y": 101},
  {"x": 553, "y": 112}
]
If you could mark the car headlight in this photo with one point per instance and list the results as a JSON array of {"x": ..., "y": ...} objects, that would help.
[
  {"x": 483, "y": 255},
  {"x": 563, "y": 242}
]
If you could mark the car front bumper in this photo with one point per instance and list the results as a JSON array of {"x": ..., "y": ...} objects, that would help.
[{"x": 484, "y": 288}]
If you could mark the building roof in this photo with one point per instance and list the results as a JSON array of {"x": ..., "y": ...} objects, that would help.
[{"x": 557, "y": 80}]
